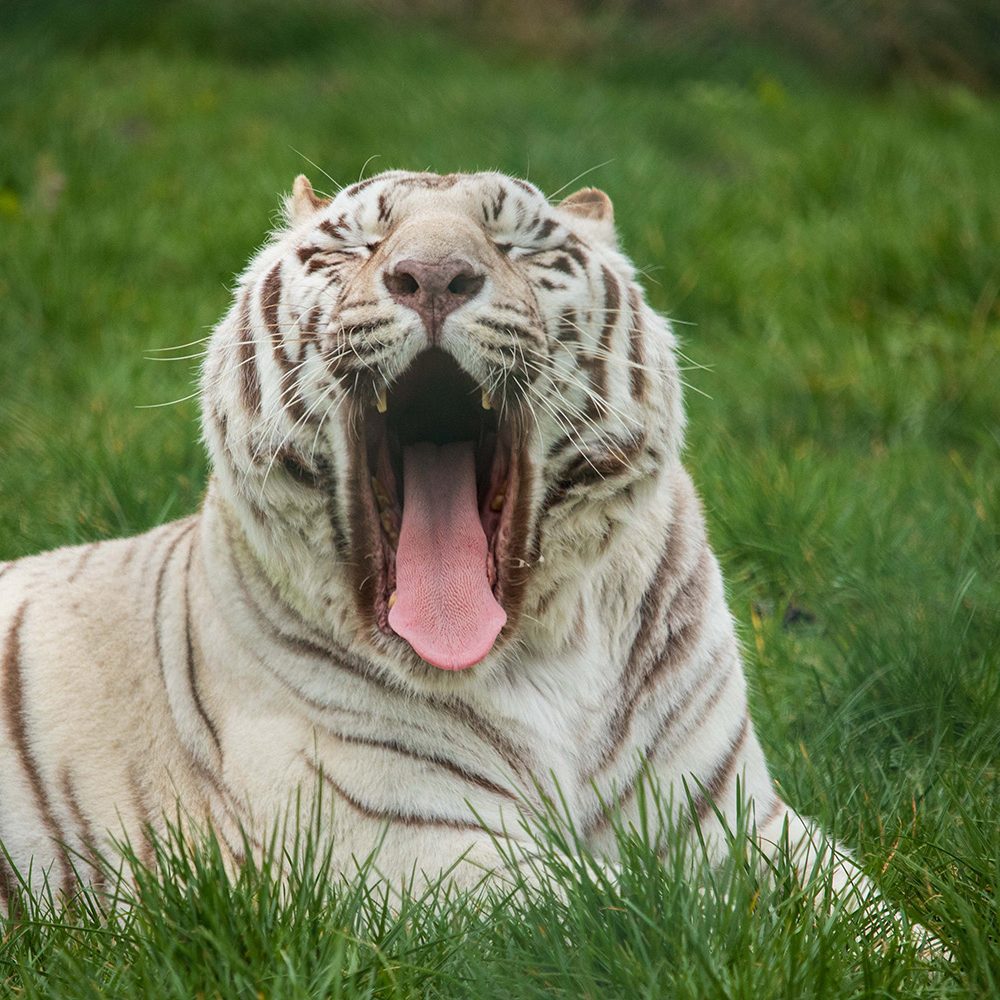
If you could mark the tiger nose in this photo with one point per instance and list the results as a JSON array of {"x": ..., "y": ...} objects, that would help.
[{"x": 433, "y": 289}]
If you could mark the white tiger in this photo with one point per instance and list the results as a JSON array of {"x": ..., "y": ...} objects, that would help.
[{"x": 448, "y": 557}]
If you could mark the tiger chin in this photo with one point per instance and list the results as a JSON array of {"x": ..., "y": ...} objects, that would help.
[{"x": 448, "y": 559}]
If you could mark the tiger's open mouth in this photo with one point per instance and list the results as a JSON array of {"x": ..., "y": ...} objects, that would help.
[{"x": 443, "y": 466}]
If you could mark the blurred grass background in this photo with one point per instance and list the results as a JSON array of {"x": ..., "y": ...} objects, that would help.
[{"x": 812, "y": 190}]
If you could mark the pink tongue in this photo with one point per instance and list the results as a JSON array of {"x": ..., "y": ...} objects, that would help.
[{"x": 444, "y": 606}]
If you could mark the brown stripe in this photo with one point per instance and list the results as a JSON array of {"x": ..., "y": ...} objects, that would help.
[
  {"x": 88, "y": 551},
  {"x": 723, "y": 771},
  {"x": 328, "y": 483},
  {"x": 270, "y": 299},
  {"x": 339, "y": 658},
  {"x": 448, "y": 765},
  {"x": 669, "y": 726},
  {"x": 685, "y": 619},
  {"x": 246, "y": 361},
  {"x": 12, "y": 697},
  {"x": 6, "y": 568},
  {"x": 513, "y": 756},
  {"x": 310, "y": 326},
  {"x": 545, "y": 229},
  {"x": 573, "y": 248},
  {"x": 598, "y": 365},
  {"x": 561, "y": 263},
  {"x": 335, "y": 230},
  {"x": 637, "y": 348},
  {"x": 506, "y": 327},
  {"x": 395, "y": 815},
  {"x": 296, "y": 466},
  {"x": 270, "y": 296},
  {"x": 145, "y": 853},
  {"x": 684, "y": 545},
  {"x": 384, "y": 211},
  {"x": 362, "y": 329},
  {"x": 158, "y": 599},
  {"x": 596, "y": 468},
  {"x": 777, "y": 804},
  {"x": 192, "y": 669},
  {"x": 329, "y": 260},
  {"x": 361, "y": 185},
  {"x": 9, "y": 884},
  {"x": 518, "y": 310},
  {"x": 498, "y": 201},
  {"x": 568, "y": 331},
  {"x": 84, "y": 828},
  {"x": 677, "y": 648},
  {"x": 660, "y": 640},
  {"x": 564, "y": 443}
]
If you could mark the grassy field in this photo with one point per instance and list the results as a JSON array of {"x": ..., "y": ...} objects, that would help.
[{"x": 831, "y": 258}]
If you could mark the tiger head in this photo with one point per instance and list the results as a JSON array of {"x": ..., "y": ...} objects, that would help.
[{"x": 445, "y": 397}]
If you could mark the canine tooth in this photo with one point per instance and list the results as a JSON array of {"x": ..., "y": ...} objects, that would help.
[
  {"x": 379, "y": 490},
  {"x": 487, "y": 401},
  {"x": 392, "y": 600},
  {"x": 496, "y": 504},
  {"x": 388, "y": 525},
  {"x": 381, "y": 403}
]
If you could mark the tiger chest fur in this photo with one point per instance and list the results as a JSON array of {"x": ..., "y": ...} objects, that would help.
[{"x": 448, "y": 559}]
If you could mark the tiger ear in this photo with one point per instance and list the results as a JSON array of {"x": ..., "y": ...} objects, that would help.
[
  {"x": 303, "y": 201},
  {"x": 595, "y": 207}
]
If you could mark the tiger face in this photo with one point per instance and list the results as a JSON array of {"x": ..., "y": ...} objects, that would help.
[{"x": 469, "y": 378}]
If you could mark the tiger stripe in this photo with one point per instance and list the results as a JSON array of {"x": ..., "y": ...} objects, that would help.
[
  {"x": 435, "y": 760},
  {"x": 249, "y": 380},
  {"x": 144, "y": 850},
  {"x": 9, "y": 883},
  {"x": 680, "y": 721},
  {"x": 409, "y": 819},
  {"x": 16, "y": 716},
  {"x": 595, "y": 361},
  {"x": 88, "y": 551},
  {"x": 657, "y": 648},
  {"x": 638, "y": 379},
  {"x": 295, "y": 644},
  {"x": 270, "y": 299},
  {"x": 85, "y": 830},
  {"x": 709, "y": 793},
  {"x": 190, "y": 649}
]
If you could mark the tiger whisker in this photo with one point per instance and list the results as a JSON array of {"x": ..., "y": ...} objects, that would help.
[
  {"x": 364, "y": 166},
  {"x": 172, "y": 402},
  {"x": 178, "y": 347},
  {"x": 580, "y": 176},
  {"x": 182, "y": 357},
  {"x": 316, "y": 166}
]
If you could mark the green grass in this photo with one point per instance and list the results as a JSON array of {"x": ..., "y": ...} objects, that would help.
[{"x": 832, "y": 259}]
